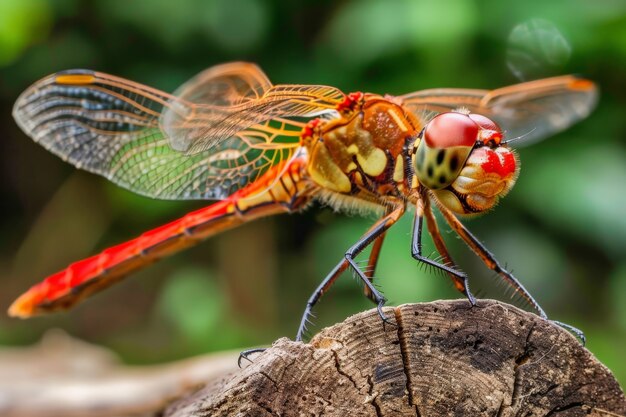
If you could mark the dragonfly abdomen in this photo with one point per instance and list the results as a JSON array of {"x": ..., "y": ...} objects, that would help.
[
  {"x": 81, "y": 279},
  {"x": 280, "y": 190}
]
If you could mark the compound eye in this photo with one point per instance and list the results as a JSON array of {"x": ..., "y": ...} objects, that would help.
[
  {"x": 485, "y": 122},
  {"x": 491, "y": 134},
  {"x": 451, "y": 129}
]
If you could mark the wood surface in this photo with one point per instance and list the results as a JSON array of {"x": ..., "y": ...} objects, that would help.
[{"x": 443, "y": 358}]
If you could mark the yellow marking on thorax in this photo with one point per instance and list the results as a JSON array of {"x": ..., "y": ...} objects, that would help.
[
  {"x": 374, "y": 164},
  {"x": 325, "y": 172},
  {"x": 371, "y": 159},
  {"x": 358, "y": 178},
  {"x": 75, "y": 79},
  {"x": 398, "y": 119},
  {"x": 414, "y": 182},
  {"x": 398, "y": 171}
]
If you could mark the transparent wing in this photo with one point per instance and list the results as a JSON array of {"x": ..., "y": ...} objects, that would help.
[
  {"x": 110, "y": 126},
  {"x": 151, "y": 167},
  {"x": 227, "y": 98},
  {"x": 533, "y": 110},
  {"x": 225, "y": 85}
]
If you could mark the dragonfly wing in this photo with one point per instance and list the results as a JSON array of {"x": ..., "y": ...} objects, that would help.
[
  {"x": 151, "y": 167},
  {"x": 110, "y": 126},
  {"x": 533, "y": 110},
  {"x": 226, "y": 85},
  {"x": 221, "y": 87},
  {"x": 228, "y": 98}
]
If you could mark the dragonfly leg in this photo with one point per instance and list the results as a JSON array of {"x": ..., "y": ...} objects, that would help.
[
  {"x": 371, "y": 264},
  {"x": 246, "y": 354},
  {"x": 459, "y": 279},
  {"x": 378, "y": 229},
  {"x": 490, "y": 261}
]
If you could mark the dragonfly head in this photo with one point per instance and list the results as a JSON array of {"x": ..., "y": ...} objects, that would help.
[{"x": 462, "y": 159}]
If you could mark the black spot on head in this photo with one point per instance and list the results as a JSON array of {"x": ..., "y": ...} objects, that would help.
[
  {"x": 430, "y": 171},
  {"x": 440, "y": 155},
  {"x": 442, "y": 179},
  {"x": 454, "y": 162}
]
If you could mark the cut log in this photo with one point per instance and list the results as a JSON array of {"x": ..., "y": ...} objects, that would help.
[{"x": 442, "y": 358}]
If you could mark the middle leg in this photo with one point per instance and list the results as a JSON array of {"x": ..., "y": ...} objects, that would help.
[
  {"x": 372, "y": 262},
  {"x": 377, "y": 230}
]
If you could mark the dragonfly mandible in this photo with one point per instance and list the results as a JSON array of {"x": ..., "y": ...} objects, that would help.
[{"x": 229, "y": 134}]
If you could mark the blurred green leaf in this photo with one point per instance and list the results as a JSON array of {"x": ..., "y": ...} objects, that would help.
[
  {"x": 534, "y": 259},
  {"x": 233, "y": 30},
  {"x": 616, "y": 294},
  {"x": 170, "y": 22},
  {"x": 22, "y": 22},
  {"x": 191, "y": 301},
  {"x": 367, "y": 30},
  {"x": 235, "y": 25},
  {"x": 575, "y": 190}
]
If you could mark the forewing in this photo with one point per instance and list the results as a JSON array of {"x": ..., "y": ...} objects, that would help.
[
  {"x": 532, "y": 111},
  {"x": 110, "y": 126},
  {"x": 225, "y": 85},
  {"x": 196, "y": 127},
  {"x": 228, "y": 98}
]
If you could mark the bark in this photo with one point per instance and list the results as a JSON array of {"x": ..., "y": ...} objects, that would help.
[{"x": 441, "y": 358}]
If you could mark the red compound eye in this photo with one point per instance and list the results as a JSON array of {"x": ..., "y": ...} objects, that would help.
[
  {"x": 451, "y": 129},
  {"x": 491, "y": 133},
  {"x": 485, "y": 122}
]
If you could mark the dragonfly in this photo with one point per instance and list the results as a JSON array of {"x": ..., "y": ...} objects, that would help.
[{"x": 260, "y": 149}]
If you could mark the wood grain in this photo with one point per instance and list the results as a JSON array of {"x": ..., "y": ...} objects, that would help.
[{"x": 443, "y": 358}]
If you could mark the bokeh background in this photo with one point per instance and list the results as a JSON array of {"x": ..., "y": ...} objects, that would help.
[{"x": 562, "y": 230}]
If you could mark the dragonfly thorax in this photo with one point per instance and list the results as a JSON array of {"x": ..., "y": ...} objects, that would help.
[{"x": 362, "y": 153}]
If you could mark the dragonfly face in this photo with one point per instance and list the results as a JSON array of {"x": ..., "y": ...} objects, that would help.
[{"x": 461, "y": 158}]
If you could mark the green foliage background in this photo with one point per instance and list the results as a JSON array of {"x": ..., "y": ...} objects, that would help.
[{"x": 562, "y": 230}]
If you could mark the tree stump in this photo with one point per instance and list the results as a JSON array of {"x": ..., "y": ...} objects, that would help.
[{"x": 441, "y": 358}]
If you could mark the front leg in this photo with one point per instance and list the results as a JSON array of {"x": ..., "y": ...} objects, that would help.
[
  {"x": 459, "y": 278},
  {"x": 460, "y": 283},
  {"x": 490, "y": 261},
  {"x": 378, "y": 229}
]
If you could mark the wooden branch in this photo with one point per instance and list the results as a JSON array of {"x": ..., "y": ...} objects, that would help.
[
  {"x": 441, "y": 358},
  {"x": 65, "y": 377}
]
